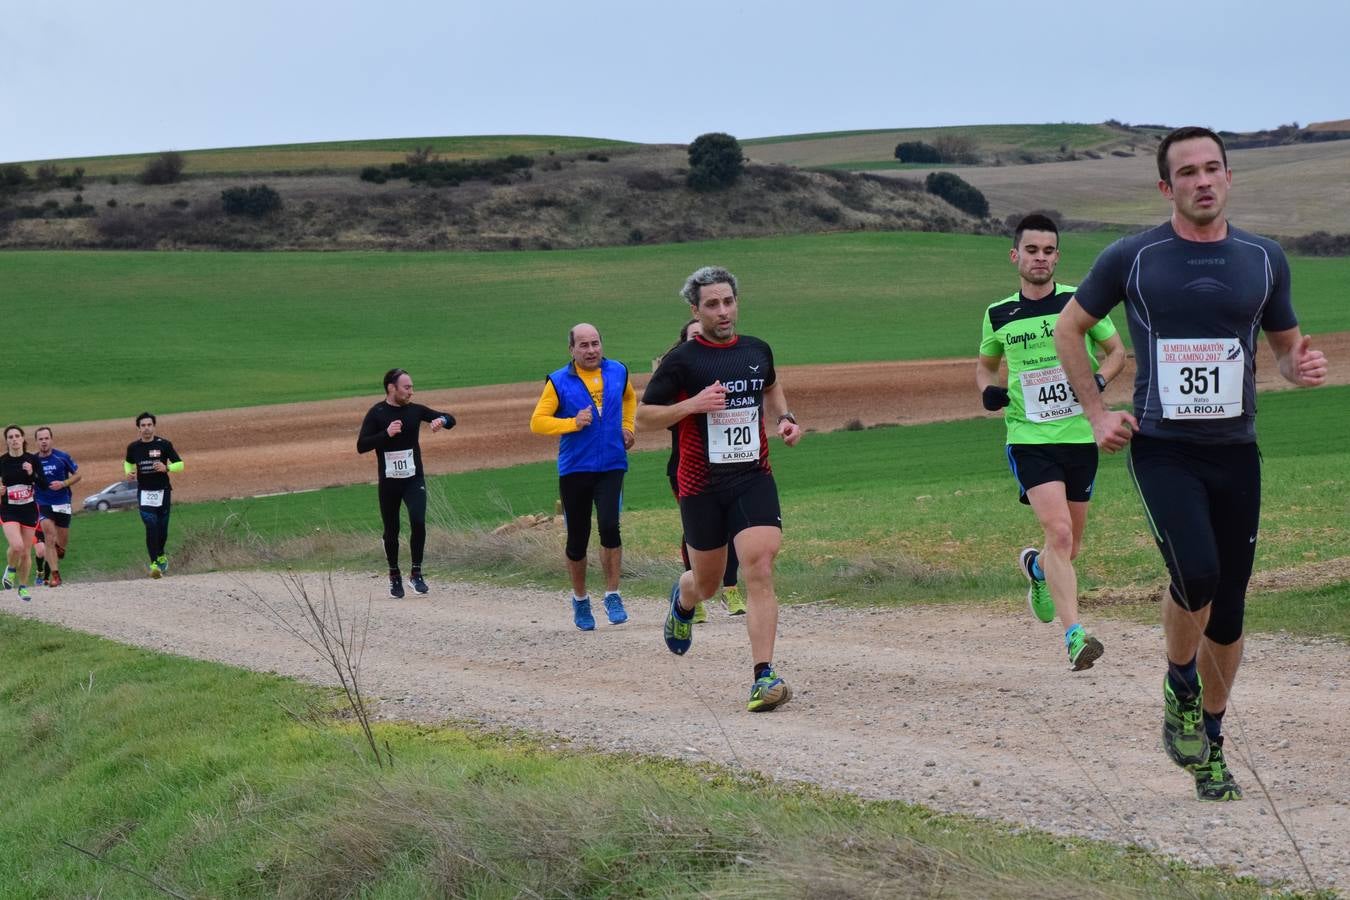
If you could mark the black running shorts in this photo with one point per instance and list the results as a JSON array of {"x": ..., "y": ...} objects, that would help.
[
  {"x": 1073, "y": 464},
  {"x": 713, "y": 518}
]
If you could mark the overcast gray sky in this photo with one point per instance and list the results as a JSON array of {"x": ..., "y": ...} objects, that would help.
[{"x": 92, "y": 77}]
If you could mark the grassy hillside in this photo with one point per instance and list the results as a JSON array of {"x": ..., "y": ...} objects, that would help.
[
  {"x": 194, "y": 331},
  {"x": 330, "y": 156}
]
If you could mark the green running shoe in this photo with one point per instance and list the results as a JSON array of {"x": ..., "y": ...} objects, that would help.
[
  {"x": 700, "y": 614},
  {"x": 735, "y": 600},
  {"x": 24, "y": 595},
  {"x": 768, "y": 692},
  {"x": 163, "y": 563},
  {"x": 1213, "y": 781},
  {"x": 679, "y": 630},
  {"x": 155, "y": 570},
  {"x": 1183, "y": 732},
  {"x": 1084, "y": 649},
  {"x": 1038, "y": 595}
]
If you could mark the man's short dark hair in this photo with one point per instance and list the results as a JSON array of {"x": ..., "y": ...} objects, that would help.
[
  {"x": 1189, "y": 132},
  {"x": 392, "y": 377},
  {"x": 146, "y": 415},
  {"x": 1034, "y": 222},
  {"x": 46, "y": 428}
]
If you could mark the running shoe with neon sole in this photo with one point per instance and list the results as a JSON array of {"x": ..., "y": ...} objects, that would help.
[
  {"x": 1038, "y": 594},
  {"x": 1183, "y": 731},
  {"x": 768, "y": 692},
  {"x": 163, "y": 562},
  {"x": 1213, "y": 781},
  {"x": 679, "y": 630},
  {"x": 581, "y": 613},
  {"x": 1084, "y": 650},
  {"x": 8, "y": 579},
  {"x": 418, "y": 583},
  {"x": 24, "y": 595},
  {"x": 700, "y": 614},
  {"x": 735, "y": 601},
  {"x": 614, "y": 610},
  {"x": 156, "y": 571}
]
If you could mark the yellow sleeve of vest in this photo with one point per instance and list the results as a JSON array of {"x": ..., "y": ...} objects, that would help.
[
  {"x": 543, "y": 421},
  {"x": 629, "y": 407}
]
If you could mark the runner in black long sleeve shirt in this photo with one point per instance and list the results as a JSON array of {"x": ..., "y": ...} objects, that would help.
[
  {"x": 391, "y": 429},
  {"x": 20, "y": 473}
]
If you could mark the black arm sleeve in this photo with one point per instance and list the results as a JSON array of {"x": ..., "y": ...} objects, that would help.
[{"x": 372, "y": 434}]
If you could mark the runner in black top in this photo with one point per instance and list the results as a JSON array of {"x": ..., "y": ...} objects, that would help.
[
  {"x": 391, "y": 429},
  {"x": 1196, "y": 290},
  {"x": 731, "y": 592},
  {"x": 20, "y": 475},
  {"x": 719, "y": 389},
  {"x": 149, "y": 461}
]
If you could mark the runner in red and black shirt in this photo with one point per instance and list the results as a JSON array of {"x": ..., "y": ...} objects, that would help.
[
  {"x": 20, "y": 475},
  {"x": 718, "y": 390}
]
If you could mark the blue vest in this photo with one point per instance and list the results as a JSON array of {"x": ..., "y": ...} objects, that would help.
[{"x": 599, "y": 446}]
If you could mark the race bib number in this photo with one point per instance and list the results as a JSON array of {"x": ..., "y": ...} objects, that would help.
[
  {"x": 399, "y": 464},
  {"x": 19, "y": 493},
  {"x": 152, "y": 499},
  {"x": 1047, "y": 397},
  {"x": 733, "y": 435},
  {"x": 1200, "y": 378},
  {"x": 62, "y": 508}
]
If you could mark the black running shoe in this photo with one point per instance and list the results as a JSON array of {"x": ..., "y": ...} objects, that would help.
[
  {"x": 396, "y": 587},
  {"x": 417, "y": 582}
]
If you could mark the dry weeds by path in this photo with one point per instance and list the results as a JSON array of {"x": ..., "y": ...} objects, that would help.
[
  {"x": 961, "y": 710},
  {"x": 303, "y": 446}
]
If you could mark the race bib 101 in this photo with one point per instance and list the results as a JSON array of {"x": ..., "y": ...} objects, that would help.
[
  {"x": 733, "y": 435},
  {"x": 152, "y": 499},
  {"x": 1047, "y": 397},
  {"x": 1200, "y": 378},
  {"x": 399, "y": 464}
]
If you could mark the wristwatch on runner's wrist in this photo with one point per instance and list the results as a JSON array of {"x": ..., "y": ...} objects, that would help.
[
  {"x": 1101, "y": 382},
  {"x": 789, "y": 416}
]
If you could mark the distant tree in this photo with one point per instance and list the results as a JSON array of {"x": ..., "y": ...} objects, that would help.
[
  {"x": 917, "y": 152},
  {"x": 958, "y": 192},
  {"x": 257, "y": 201},
  {"x": 13, "y": 176},
  {"x": 166, "y": 168},
  {"x": 957, "y": 148},
  {"x": 715, "y": 162}
]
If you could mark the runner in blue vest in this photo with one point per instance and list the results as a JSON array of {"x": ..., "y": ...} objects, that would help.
[
  {"x": 590, "y": 405},
  {"x": 54, "y": 502}
]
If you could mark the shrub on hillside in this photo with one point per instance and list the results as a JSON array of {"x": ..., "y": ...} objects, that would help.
[
  {"x": 257, "y": 201},
  {"x": 917, "y": 152},
  {"x": 443, "y": 173},
  {"x": 958, "y": 192},
  {"x": 374, "y": 174},
  {"x": 715, "y": 162},
  {"x": 651, "y": 180},
  {"x": 956, "y": 148},
  {"x": 1320, "y": 243},
  {"x": 13, "y": 177},
  {"x": 166, "y": 168}
]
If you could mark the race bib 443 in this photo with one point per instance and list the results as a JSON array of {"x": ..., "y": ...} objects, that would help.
[
  {"x": 1200, "y": 378},
  {"x": 1047, "y": 397}
]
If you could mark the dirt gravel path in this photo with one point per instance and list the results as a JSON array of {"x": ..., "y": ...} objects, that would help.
[
  {"x": 963, "y": 711},
  {"x": 303, "y": 446}
]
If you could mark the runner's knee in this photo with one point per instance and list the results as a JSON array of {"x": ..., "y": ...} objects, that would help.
[
  {"x": 1225, "y": 622},
  {"x": 609, "y": 533},
  {"x": 1059, "y": 538},
  {"x": 577, "y": 541},
  {"x": 1194, "y": 591}
]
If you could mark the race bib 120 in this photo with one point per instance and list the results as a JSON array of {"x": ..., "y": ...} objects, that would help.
[
  {"x": 399, "y": 464},
  {"x": 1200, "y": 378},
  {"x": 1047, "y": 397},
  {"x": 733, "y": 435}
]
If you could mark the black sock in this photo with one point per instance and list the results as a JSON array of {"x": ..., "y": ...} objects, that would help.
[
  {"x": 1184, "y": 679},
  {"x": 761, "y": 668},
  {"x": 416, "y": 572},
  {"x": 1214, "y": 726},
  {"x": 395, "y": 573}
]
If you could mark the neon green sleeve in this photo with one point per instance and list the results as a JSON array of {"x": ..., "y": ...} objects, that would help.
[
  {"x": 1102, "y": 330},
  {"x": 176, "y": 466},
  {"x": 989, "y": 344}
]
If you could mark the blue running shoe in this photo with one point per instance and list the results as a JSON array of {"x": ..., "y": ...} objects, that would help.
[
  {"x": 581, "y": 613},
  {"x": 768, "y": 692},
  {"x": 679, "y": 630},
  {"x": 614, "y": 608}
]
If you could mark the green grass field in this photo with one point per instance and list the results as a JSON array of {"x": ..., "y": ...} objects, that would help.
[
  {"x": 185, "y": 778},
  {"x": 191, "y": 331},
  {"x": 924, "y": 532},
  {"x": 331, "y": 156}
]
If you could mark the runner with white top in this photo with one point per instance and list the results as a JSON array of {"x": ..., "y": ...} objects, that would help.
[
  {"x": 1050, "y": 447},
  {"x": 391, "y": 429},
  {"x": 1196, "y": 290}
]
